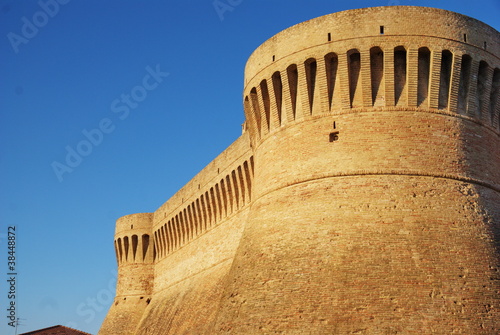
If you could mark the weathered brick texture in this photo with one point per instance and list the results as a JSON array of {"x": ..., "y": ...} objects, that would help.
[{"x": 362, "y": 198}]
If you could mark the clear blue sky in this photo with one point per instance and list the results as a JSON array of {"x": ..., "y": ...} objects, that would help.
[{"x": 71, "y": 75}]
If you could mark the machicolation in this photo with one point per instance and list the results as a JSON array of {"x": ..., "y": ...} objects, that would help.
[{"x": 363, "y": 196}]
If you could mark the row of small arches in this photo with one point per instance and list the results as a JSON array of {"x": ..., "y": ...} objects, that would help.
[
  {"x": 133, "y": 249},
  {"x": 222, "y": 199},
  {"x": 399, "y": 77}
]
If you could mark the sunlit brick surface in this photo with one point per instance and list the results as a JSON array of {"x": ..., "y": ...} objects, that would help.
[{"x": 362, "y": 198}]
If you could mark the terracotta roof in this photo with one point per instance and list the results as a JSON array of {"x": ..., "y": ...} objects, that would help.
[{"x": 56, "y": 330}]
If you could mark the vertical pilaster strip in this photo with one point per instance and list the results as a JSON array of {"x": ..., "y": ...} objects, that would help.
[
  {"x": 250, "y": 116},
  {"x": 220, "y": 198},
  {"x": 191, "y": 221},
  {"x": 337, "y": 92},
  {"x": 248, "y": 180},
  {"x": 173, "y": 232},
  {"x": 177, "y": 230},
  {"x": 208, "y": 205},
  {"x": 196, "y": 217},
  {"x": 199, "y": 212},
  {"x": 169, "y": 241},
  {"x": 303, "y": 107},
  {"x": 264, "y": 122},
  {"x": 166, "y": 241},
  {"x": 472, "y": 107},
  {"x": 147, "y": 254},
  {"x": 486, "y": 96},
  {"x": 215, "y": 209},
  {"x": 412, "y": 82},
  {"x": 139, "y": 257},
  {"x": 130, "y": 251},
  {"x": 456, "y": 68},
  {"x": 496, "y": 112},
  {"x": 184, "y": 229},
  {"x": 252, "y": 167},
  {"x": 236, "y": 188},
  {"x": 157, "y": 243},
  {"x": 230, "y": 199},
  {"x": 189, "y": 228},
  {"x": 343, "y": 73},
  {"x": 390, "y": 99},
  {"x": 180, "y": 231},
  {"x": 365, "y": 77},
  {"x": 243, "y": 186},
  {"x": 117, "y": 251},
  {"x": 286, "y": 112},
  {"x": 223, "y": 194},
  {"x": 204, "y": 211},
  {"x": 435, "y": 77},
  {"x": 321, "y": 90},
  {"x": 156, "y": 236},
  {"x": 273, "y": 113},
  {"x": 138, "y": 254}
]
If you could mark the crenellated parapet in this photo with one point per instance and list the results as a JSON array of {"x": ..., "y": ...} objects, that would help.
[
  {"x": 133, "y": 243},
  {"x": 368, "y": 59},
  {"x": 204, "y": 206}
]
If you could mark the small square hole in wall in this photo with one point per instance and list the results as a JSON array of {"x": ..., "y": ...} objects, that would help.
[{"x": 334, "y": 136}]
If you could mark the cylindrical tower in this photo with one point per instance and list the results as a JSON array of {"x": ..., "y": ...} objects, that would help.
[
  {"x": 376, "y": 200},
  {"x": 135, "y": 255}
]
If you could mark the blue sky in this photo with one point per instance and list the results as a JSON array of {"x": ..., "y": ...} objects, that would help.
[{"x": 155, "y": 88}]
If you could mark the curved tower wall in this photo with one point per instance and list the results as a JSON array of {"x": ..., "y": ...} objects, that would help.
[
  {"x": 135, "y": 254},
  {"x": 377, "y": 178},
  {"x": 363, "y": 196}
]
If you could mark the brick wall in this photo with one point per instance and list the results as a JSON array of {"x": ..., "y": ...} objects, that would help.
[{"x": 362, "y": 198}]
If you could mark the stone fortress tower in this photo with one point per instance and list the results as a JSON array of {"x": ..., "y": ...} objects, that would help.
[{"x": 363, "y": 196}]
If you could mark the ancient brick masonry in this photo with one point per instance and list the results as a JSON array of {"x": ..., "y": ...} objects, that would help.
[{"x": 363, "y": 196}]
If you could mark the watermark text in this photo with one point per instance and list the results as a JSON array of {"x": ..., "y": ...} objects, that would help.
[
  {"x": 12, "y": 276},
  {"x": 94, "y": 137},
  {"x": 31, "y": 27}
]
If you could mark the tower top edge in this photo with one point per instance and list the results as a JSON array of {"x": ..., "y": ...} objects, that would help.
[
  {"x": 349, "y": 25},
  {"x": 132, "y": 222}
]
